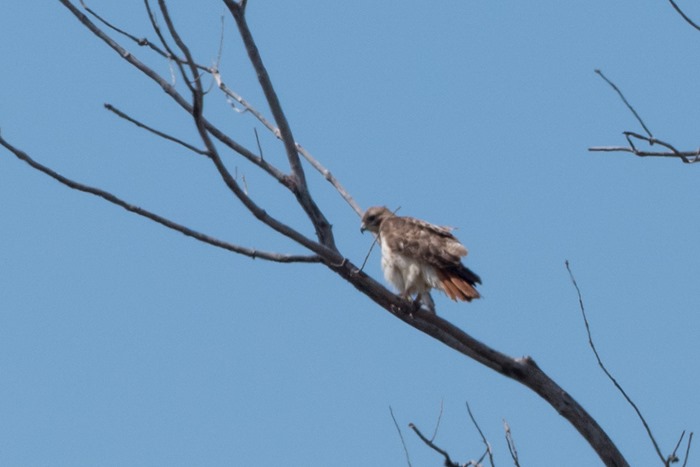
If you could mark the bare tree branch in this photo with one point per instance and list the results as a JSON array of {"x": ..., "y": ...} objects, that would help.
[
  {"x": 511, "y": 444},
  {"x": 177, "y": 97},
  {"x": 250, "y": 252},
  {"x": 299, "y": 186},
  {"x": 690, "y": 156},
  {"x": 257, "y": 211},
  {"x": 170, "y": 55},
  {"x": 687, "y": 157},
  {"x": 683, "y": 15},
  {"x": 448, "y": 462},
  {"x": 197, "y": 108},
  {"x": 403, "y": 442},
  {"x": 139, "y": 124},
  {"x": 523, "y": 370},
  {"x": 687, "y": 449},
  {"x": 183, "y": 66},
  {"x": 673, "y": 457},
  {"x": 483, "y": 438},
  {"x": 607, "y": 373},
  {"x": 437, "y": 424},
  {"x": 142, "y": 41},
  {"x": 275, "y": 131},
  {"x": 331, "y": 179},
  {"x": 629, "y": 106}
]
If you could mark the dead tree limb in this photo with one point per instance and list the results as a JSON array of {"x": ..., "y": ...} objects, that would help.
[
  {"x": 448, "y": 461},
  {"x": 683, "y": 15},
  {"x": 109, "y": 197},
  {"x": 667, "y": 460},
  {"x": 511, "y": 444},
  {"x": 687, "y": 157},
  {"x": 488, "y": 451},
  {"x": 321, "y": 248}
]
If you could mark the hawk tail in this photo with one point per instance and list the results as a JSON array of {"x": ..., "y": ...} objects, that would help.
[{"x": 459, "y": 283}]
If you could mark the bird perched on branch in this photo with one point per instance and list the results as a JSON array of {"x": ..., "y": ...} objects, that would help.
[{"x": 418, "y": 256}]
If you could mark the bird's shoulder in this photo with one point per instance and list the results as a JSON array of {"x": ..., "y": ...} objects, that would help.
[{"x": 420, "y": 239}]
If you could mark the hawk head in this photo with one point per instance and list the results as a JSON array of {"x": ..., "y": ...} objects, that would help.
[{"x": 374, "y": 217}]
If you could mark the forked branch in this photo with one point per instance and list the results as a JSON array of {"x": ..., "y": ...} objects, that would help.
[
  {"x": 687, "y": 157},
  {"x": 299, "y": 186},
  {"x": 523, "y": 370}
]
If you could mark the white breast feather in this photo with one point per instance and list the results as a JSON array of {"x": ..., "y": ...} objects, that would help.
[{"x": 409, "y": 275}]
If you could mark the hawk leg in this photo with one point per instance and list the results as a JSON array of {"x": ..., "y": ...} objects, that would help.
[{"x": 426, "y": 301}]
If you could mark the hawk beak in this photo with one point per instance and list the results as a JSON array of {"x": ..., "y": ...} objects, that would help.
[{"x": 363, "y": 228}]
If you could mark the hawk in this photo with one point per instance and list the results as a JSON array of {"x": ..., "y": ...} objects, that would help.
[{"x": 418, "y": 256}]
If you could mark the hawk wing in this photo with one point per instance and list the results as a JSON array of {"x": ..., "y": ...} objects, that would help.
[{"x": 434, "y": 246}]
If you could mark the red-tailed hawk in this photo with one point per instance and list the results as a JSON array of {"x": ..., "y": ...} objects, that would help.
[{"x": 418, "y": 256}]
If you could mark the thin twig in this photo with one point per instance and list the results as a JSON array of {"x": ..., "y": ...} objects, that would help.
[
  {"x": 687, "y": 449},
  {"x": 139, "y": 124},
  {"x": 331, "y": 179},
  {"x": 437, "y": 424},
  {"x": 629, "y": 106},
  {"x": 684, "y": 156},
  {"x": 673, "y": 457},
  {"x": 257, "y": 140},
  {"x": 483, "y": 437},
  {"x": 678, "y": 154},
  {"x": 176, "y": 96},
  {"x": 221, "y": 45},
  {"x": 448, "y": 461},
  {"x": 605, "y": 370},
  {"x": 652, "y": 141},
  {"x": 511, "y": 444},
  {"x": 250, "y": 252},
  {"x": 247, "y": 107},
  {"x": 403, "y": 442},
  {"x": 141, "y": 41},
  {"x": 685, "y": 17},
  {"x": 189, "y": 63}
]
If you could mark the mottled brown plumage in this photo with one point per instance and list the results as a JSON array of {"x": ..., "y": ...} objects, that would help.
[{"x": 418, "y": 256}]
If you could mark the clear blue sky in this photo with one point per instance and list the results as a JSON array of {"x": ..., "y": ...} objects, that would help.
[{"x": 123, "y": 343}]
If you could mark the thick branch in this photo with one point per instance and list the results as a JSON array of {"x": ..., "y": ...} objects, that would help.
[
  {"x": 523, "y": 370},
  {"x": 197, "y": 109},
  {"x": 257, "y": 211},
  {"x": 250, "y": 252}
]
